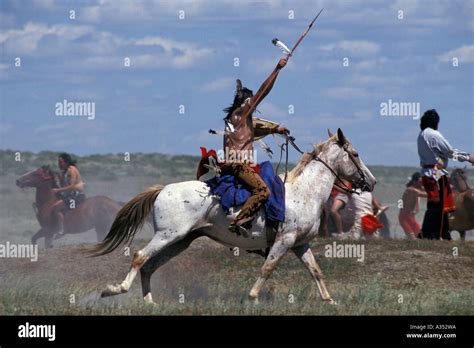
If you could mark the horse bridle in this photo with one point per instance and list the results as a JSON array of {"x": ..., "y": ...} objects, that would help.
[
  {"x": 48, "y": 176},
  {"x": 361, "y": 183}
]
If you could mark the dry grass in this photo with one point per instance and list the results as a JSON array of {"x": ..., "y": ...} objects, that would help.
[{"x": 214, "y": 281}]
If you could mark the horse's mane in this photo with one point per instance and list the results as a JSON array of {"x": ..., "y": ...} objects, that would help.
[{"x": 307, "y": 157}]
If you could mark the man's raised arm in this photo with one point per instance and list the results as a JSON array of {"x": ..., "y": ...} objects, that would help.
[{"x": 265, "y": 88}]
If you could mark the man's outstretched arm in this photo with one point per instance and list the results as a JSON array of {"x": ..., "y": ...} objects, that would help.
[
  {"x": 265, "y": 88},
  {"x": 442, "y": 146}
]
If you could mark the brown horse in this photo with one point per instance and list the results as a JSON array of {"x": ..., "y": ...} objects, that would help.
[
  {"x": 96, "y": 212},
  {"x": 462, "y": 219}
]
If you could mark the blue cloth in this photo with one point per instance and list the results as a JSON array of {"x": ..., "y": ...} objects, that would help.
[{"x": 233, "y": 194}]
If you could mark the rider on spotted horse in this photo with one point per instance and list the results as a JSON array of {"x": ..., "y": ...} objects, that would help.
[{"x": 241, "y": 129}]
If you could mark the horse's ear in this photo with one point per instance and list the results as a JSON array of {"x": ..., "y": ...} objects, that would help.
[
  {"x": 238, "y": 85},
  {"x": 330, "y": 133},
  {"x": 341, "y": 139}
]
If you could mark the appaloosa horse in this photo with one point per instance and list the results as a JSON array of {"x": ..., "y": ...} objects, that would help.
[
  {"x": 96, "y": 212},
  {"x": 462, "y": 219},
  {"x": 185, "y": 211}
]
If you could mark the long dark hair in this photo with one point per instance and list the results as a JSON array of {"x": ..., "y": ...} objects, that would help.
[
  {"x": 430, "y": 119},
  {"x": 241, "y": 94},
  {"x": 67, "y": 158},
  {"x": 414, "y": 179}
]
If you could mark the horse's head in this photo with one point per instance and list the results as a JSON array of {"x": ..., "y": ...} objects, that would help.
[
  {"x": 459, "y": 180},
  {"x": 459, "y": 173},
  {"x": 36, "y": 177},
  {"x": 347, "y": 162}
]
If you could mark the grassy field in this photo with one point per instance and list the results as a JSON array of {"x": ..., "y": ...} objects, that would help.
[{"x": 397, "y": 277}]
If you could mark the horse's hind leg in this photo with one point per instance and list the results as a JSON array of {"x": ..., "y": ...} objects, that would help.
[
  {"x": 159, "y": 260},
  {"x": 101, "y": 232},
  {"x": 157, "y": 244},
  {"x": 306, "y": 256},
  {"x": 48, "y": 240}
]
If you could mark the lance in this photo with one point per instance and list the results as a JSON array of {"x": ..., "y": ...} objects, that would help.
[{"x": 285, "y": 49}]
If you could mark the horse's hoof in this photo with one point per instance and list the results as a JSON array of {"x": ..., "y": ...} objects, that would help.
[
  {"x": 253, "y": 300},
  {"x": 149, "y": 300},
  {"x": 331, "y": 301},
  {"x": 112, "y": 290}
]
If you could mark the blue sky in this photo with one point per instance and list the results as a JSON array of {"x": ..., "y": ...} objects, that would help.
[{"x": 190, "y": 62}]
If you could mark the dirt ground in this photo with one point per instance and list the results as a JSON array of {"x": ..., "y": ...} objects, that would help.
[{"x": 396, "y": 277}]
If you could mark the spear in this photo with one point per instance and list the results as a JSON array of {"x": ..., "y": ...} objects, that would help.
[{"x": 285, "y": 49}]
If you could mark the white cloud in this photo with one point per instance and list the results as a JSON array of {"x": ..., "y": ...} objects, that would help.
[
  {"x": 91, "y": 14},
  {"x": 219, "y": 84},
  {"x": 148, "y": 61},
  {"x": 465, "y": 54},
  {"x": 103, "y": 48},
  {"x": 357, "y": 48},
  {"x": 133, "y": 11},
  {"x": 169, "y": 54},
  {"x": 271, "y": 111},
  {"x": 370, "y": 64},
  {"x": 52, "y": 127},
  {"x": 27, "y": 39},
  {"x": 346, "y": 92},
  {"x": 46, "y": 4}
]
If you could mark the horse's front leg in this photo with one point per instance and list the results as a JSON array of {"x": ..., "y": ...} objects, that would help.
[
  {"x": 304, "y": 253},
  {"x": 37, "y": 235},
  {"x": 48, "y": 240},
  {"x": 282, "y": 244}
]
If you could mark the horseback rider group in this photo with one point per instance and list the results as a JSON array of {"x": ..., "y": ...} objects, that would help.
[{"x": 240, "y": 132}]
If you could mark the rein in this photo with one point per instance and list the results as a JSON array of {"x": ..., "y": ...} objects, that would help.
[{"x": 285, "y": 145}]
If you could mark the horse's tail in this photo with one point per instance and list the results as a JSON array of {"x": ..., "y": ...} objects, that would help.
[{"x": 128, "y": 221}]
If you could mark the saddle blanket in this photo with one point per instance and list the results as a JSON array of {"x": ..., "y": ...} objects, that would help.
[{"x": 233, "y": 194}]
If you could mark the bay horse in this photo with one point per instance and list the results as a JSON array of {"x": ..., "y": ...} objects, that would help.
[
  {"x": 462, "y": 219},
  {"x": 94, "y": 213},
  {"x": 185, "y": 211}
]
